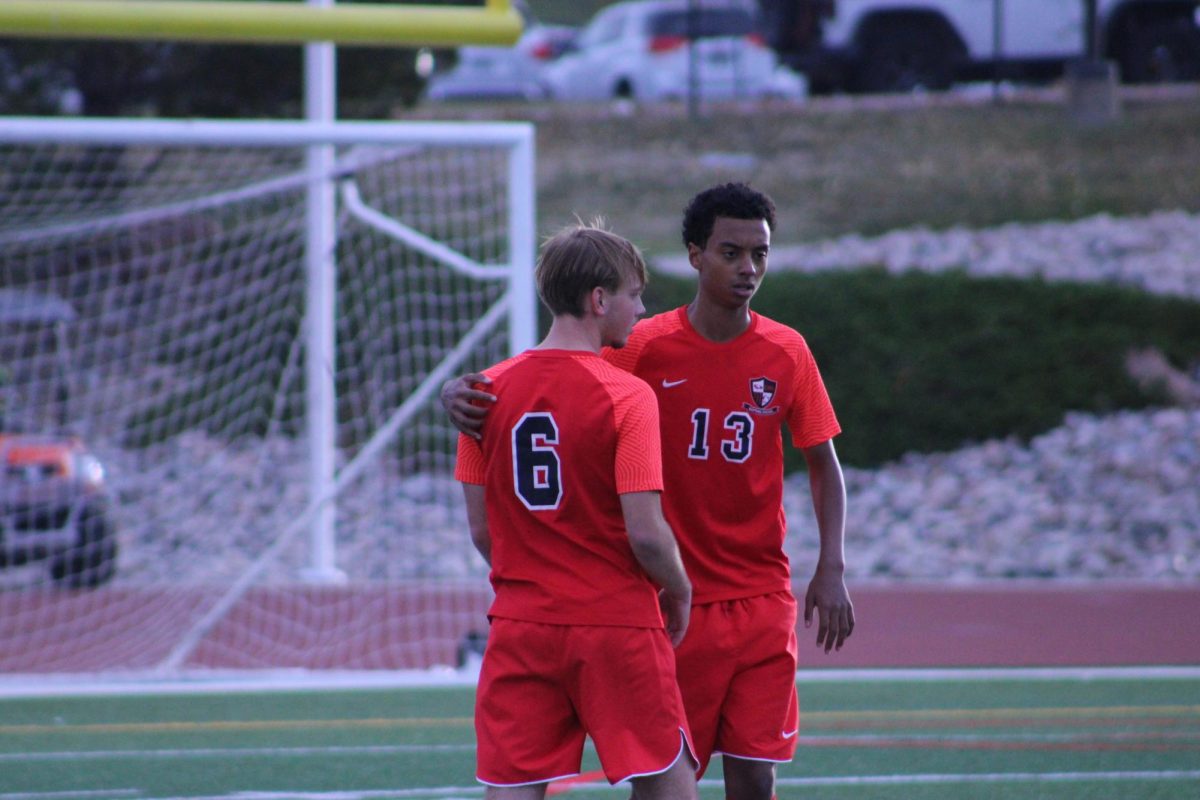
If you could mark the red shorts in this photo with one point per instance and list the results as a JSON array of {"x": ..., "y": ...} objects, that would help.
[
  {"x": 737, "y": 674},
  {"x": 542, "y": 688}
]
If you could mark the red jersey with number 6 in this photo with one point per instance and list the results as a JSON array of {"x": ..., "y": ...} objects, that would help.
[
  {"x": 723, "y": 406},
  {"x": 568, "y": 435}
]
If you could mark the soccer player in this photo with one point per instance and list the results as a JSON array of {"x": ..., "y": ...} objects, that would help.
[
  {"x": 563, "y": 501},
  {"x": 727, "y": 380}
]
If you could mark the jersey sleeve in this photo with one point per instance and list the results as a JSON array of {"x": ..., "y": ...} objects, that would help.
[
  {"x": 811, "y": 418},
  {"x": 639, "y": 446},
  {"x": 469, "y": 468}
]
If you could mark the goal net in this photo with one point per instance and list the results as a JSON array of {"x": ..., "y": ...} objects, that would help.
[{"x": 220, "y": 350}]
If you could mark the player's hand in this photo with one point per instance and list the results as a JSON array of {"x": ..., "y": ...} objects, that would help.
[
  {"x": 827, "y": 593},
  {"x": 677, "y": 611},
  {"x": 465, "y": 405}
]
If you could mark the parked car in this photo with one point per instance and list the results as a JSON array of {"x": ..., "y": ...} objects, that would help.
[
  {"x": 648, "y": 50},
  {"x": 898, "y": 46},
  {"x": 54, "y": 506},
  {"x": 503, "y": 73}
]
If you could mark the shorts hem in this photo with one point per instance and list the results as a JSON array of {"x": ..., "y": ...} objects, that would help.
[
  {"x": 527, "y": 783},
  {"x": 684, "y": 747},
  {"x": 786, "y": 760}
]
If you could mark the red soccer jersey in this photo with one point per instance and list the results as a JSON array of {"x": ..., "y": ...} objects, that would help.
[
  {"x": 722, "y": 408},
  {"x": 568, "y": 434}
]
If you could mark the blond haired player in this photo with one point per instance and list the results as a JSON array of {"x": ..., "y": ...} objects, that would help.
[{"x": 562, "y": 493}]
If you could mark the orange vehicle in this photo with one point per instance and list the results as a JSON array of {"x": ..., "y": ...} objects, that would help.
[{"x": 53, "y": 501}]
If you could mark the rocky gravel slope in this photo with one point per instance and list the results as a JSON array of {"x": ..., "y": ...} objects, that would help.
[{"x": 1097, "y": 498}]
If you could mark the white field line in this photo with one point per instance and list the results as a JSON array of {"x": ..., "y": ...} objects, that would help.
[
  {"x": 226, "y": 753},
  {"x": 445, "y": 792},
  {"x": 995, "y": 777},
  {"x": 18, "y": 685},
  {"x": 1135, "y": 737}
]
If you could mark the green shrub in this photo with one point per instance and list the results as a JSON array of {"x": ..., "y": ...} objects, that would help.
[{"x": 921, "y": 362}]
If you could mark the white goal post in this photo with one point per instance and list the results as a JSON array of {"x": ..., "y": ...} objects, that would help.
[{"x": 205, "y": 362}]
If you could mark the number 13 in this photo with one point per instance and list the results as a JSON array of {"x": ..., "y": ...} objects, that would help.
[{"x": 736, "y": 449}]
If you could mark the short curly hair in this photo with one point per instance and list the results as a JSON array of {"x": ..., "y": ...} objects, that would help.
[{"x": 733, "y": 200}]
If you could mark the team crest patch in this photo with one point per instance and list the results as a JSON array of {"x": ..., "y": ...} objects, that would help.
[{"x": 762, "y": 392}]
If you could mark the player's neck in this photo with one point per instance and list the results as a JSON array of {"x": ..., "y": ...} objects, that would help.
[
  {"x": 568, "y": 333},
  {"x": 718, "y": 323}
]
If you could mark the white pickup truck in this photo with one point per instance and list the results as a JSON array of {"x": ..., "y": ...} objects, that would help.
[{"x": 902, "y": 45}]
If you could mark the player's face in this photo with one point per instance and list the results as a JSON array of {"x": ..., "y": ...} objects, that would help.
[
  {"x": 733, "y": 261},
  {"x": 624, "y": 309}
]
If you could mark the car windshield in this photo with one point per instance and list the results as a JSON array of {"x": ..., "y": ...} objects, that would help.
[{"x": 702, "y": 22}]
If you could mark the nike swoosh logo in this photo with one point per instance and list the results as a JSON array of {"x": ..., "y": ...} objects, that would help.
[
  {"x": 668, "y": 384},
  {"x": 790, "y": 735}
]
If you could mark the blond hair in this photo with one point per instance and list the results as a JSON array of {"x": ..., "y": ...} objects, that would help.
[{"x": 581, "y": 257}]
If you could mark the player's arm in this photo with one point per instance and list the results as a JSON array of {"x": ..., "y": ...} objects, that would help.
[
  {"x": 477, "y": 520},
  {"x": 827, "y": 589},
  {"x": 465, "y": 405},
  {"x": 655, "y": 549}
]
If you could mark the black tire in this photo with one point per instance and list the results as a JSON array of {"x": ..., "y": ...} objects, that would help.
[
  {"x": 93, "y": 561},
  {"x": 904, "y": 57},
  {"x": 1162, "y": 51}
]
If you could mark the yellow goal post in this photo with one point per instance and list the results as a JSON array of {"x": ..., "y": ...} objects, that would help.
[{"x": 495, "y": 22}]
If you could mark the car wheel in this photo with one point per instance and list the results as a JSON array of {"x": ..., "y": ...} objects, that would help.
[
  {"x": 1163, "y": 51},
  {"x": 93, "y": 560},
  {"x": 904, "y": 58}
]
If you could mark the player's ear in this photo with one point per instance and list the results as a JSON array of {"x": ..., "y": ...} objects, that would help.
[
  {"x": 694, "y": 252},
  {"x": 598, "y": 298}
]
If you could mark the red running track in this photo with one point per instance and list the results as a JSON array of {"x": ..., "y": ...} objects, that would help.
[
  {"x": 1017, "y": 625},
  {"x": 385, "y": 628}
]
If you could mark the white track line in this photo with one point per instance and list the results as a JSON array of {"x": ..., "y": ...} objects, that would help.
[
  {"x": 291, "y": 680},
  {"x": 1000, "y": 674},
  {"x": 80, "y": 794}
]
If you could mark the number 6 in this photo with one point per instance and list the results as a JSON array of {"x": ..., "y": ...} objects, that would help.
[{"x": 537, "y": 474}]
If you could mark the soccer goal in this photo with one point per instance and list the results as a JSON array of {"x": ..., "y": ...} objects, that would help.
[{"x": 222, "y": 444}]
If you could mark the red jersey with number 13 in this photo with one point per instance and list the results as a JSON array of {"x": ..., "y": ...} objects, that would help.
[
  {"x": 723, "y": 406},
  {"x": 568, "y": 434}
]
